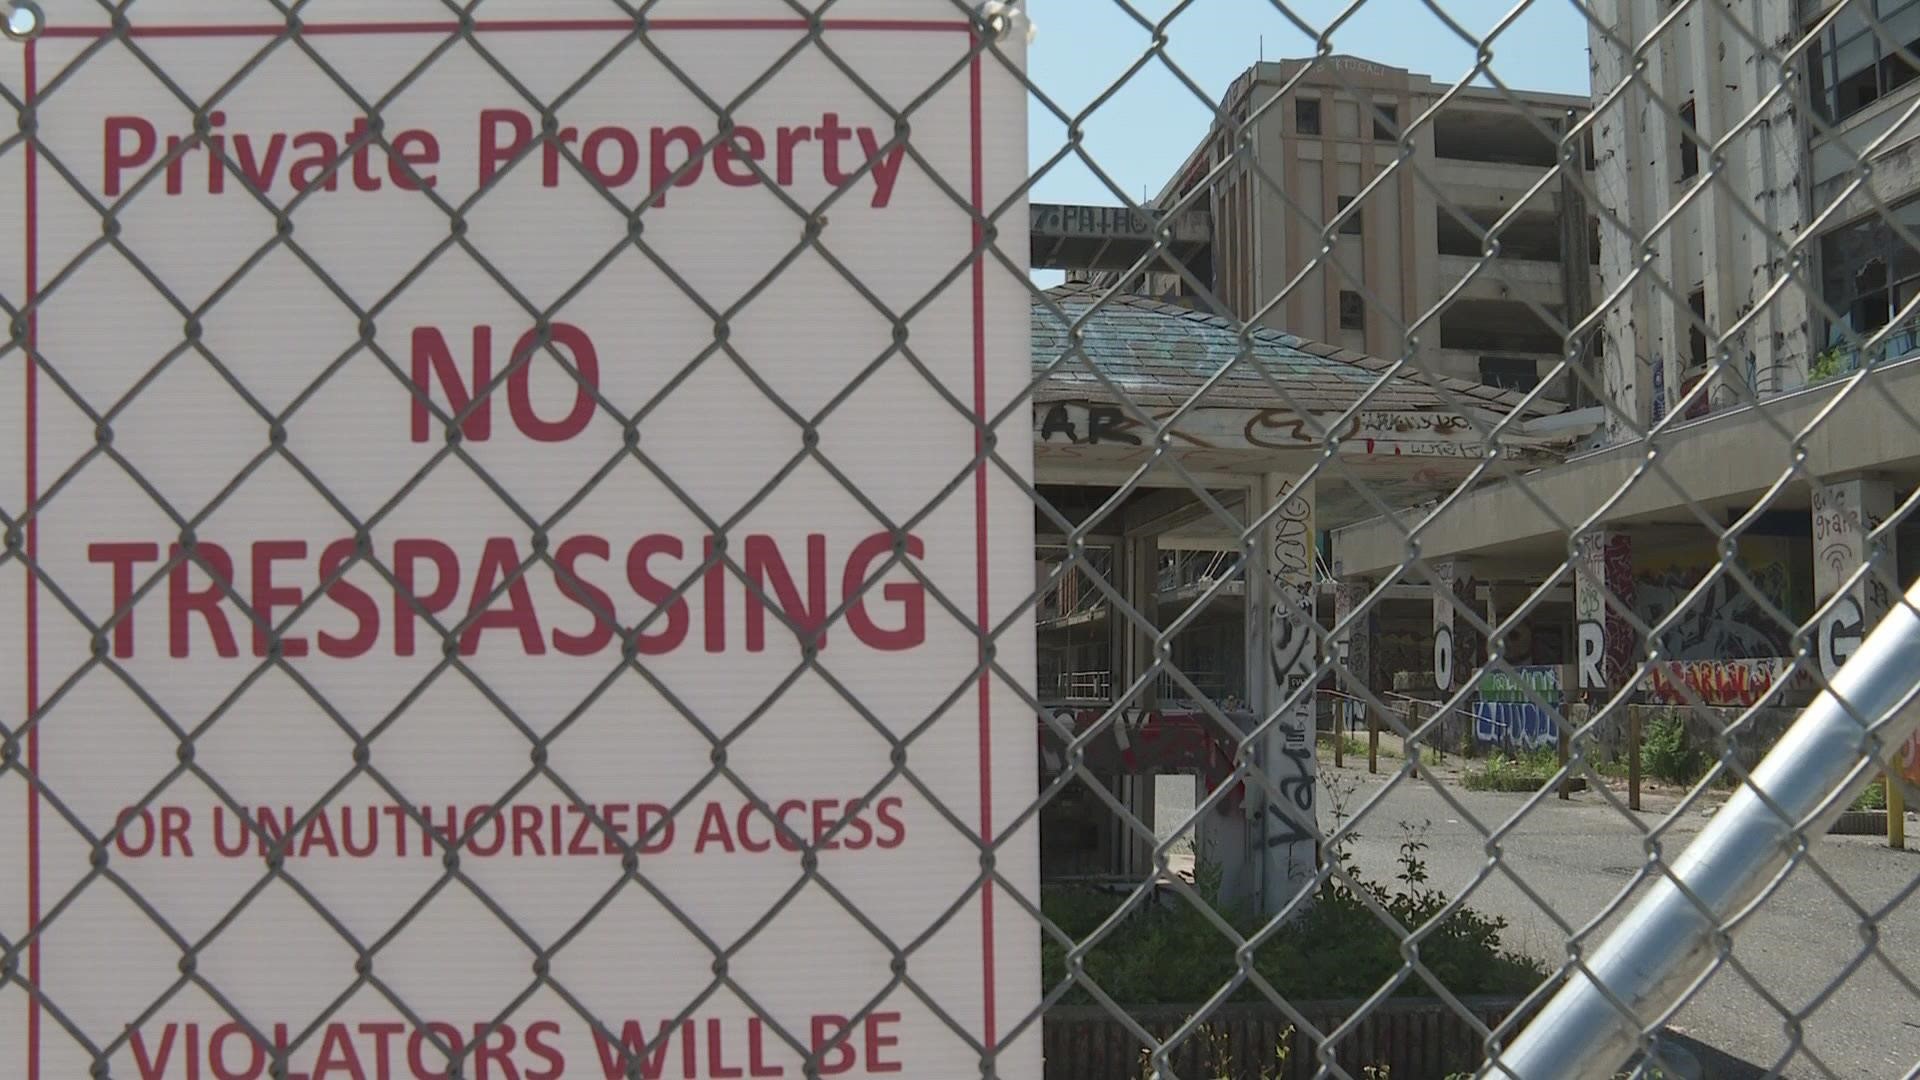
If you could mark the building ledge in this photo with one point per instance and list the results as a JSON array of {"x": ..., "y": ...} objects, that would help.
[{"x": 1724, "y": 462}]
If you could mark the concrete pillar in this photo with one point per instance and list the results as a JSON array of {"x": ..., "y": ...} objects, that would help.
[
  {"x": 1138, "y": 579},
  {"x": 1137, "y": 576},
  {"x": 1845, "y": 513},
  {"x": 1713, "y": 116},
  {"x": 1775, "y": 162},
  {"x": 1283, "y": 654},
  {"x": 1576, "y": 268},
  {"x": 1456, "y": 642},
  {"x": 1623, "y": 162},
  {"x": 1355, "y": 647},
  {"x": 1602, "y": 593}
]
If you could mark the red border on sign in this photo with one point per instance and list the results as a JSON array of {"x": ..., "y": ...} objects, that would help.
[
  {"x": 989, "y": 1030},
  {"x": 502, "y": 25},
  {"x": 31, "y": 188}
]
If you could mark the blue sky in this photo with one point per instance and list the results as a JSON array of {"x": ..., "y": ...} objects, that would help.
[{"x": 1147, "y": 128}]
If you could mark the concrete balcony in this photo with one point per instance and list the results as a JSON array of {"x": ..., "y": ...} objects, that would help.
[
  {"x": 1485, "y": 185},
  {"x": 1501, "y": 279},
  {"x": 1465, "y": 363}
]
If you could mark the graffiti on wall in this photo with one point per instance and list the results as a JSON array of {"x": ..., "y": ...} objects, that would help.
[
  {"x": 1618, "y": 559},
  {"x": 1292, "y": 656},
  {"x": 1398, "y": 651},
  {"x": 1727, "y": 683},
  {"x": 1138, "y": 742},
  {"x": 1290, "y": 819},
  {"x": 1659, "y": 388},
  {"x": 1064, "y": 425},
  {"x": 1291, "y": 579},
  {"x": 1515, "y": 725},
  {"x": 1456, "y": 643},
  {"x": 1837, "y": 537},
  {"x": 1506, "y": 714},
  {"x": 1465, "y": 637},
  {"x": 1355, "y": 647},
  {"x": 1724, "y": 620},
  {"x": 1541, "y": 681},
  {"x": 1844, "y": 519},
  {"x": 1604, "y": 636}
]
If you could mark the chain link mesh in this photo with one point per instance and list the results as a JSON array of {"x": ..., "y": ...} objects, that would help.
[{"x": 1518, "y": 443}]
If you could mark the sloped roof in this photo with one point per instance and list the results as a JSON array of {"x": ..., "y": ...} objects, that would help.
[{"x": 1160, "y": 354}]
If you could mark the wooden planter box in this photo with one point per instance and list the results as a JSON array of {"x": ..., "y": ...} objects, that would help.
[
  {"x": 1416, "y": 1038},
  {"x": 1860, "y": 823}
]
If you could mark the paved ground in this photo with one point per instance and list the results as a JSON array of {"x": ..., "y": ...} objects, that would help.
[{"x": 1581, "y": 854}]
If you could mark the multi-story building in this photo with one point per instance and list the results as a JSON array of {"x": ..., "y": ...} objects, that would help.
[
  {"x": 1757, "y": 175},
  {"x": 1863, "y": 96},
  {"x": 1785, "y": 204},
  {"x": 1720, "y": 237},
  {"x": 1325, "y": 138}
]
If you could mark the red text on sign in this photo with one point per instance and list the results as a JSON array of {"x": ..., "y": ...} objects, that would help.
[{"x": 657, "y": 569}]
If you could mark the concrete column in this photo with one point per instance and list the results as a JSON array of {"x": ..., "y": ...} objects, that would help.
[
  {"x": 1282, "y": 636},
  {"x": 1775, "y": 162},
  {"x": 1666, "y": 344},
  {"x": 1714, "y": 109},
  {"x": 1626, "y": 140},
  {"x": 1602, "y": 594},
  {"x": 1137, "y": 576},
  {"x": 1845, "y": 513},
  {"x": 1456, "y": 643},
  {"x": 1138, "y": 579},
  {"x": 1355, "y": 647},
  {"x": 1576, "y": 270}
]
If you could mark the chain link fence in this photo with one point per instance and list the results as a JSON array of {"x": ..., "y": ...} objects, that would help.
[{"x": 637, "y": 540}]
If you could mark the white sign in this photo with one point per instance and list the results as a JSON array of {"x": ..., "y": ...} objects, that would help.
[{"x": 523, "y": 777}]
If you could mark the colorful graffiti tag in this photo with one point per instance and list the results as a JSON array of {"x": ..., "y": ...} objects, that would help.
[
  {"x": 1729, "y": 683},
  {"x": 1500, "y": 685},
  {"x": 1139, "y": 743},
  {"x": 1605, "y": 636},
  {"x": 1725, "y": 619},
  {"x": 1518, "y": 725},
  {"x": 1505, "y": 714}
]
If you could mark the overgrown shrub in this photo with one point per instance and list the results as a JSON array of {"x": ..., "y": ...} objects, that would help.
[
  {"x": 1873, "y": 798},
  {"x": 1668, "y": 753},
  {"x": 1173, "y": 953},
  {"x": 1354, "y": 746},
  {"x": 1507, "y": 772},
  {"x": 1217, "y": 1057}
]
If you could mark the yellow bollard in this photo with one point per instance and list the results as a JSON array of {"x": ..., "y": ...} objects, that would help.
[
  {"x": 1896, "y": 812},
  {"x": 1633, "y": 759},
  {"x": 1566, "y": 785}
]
